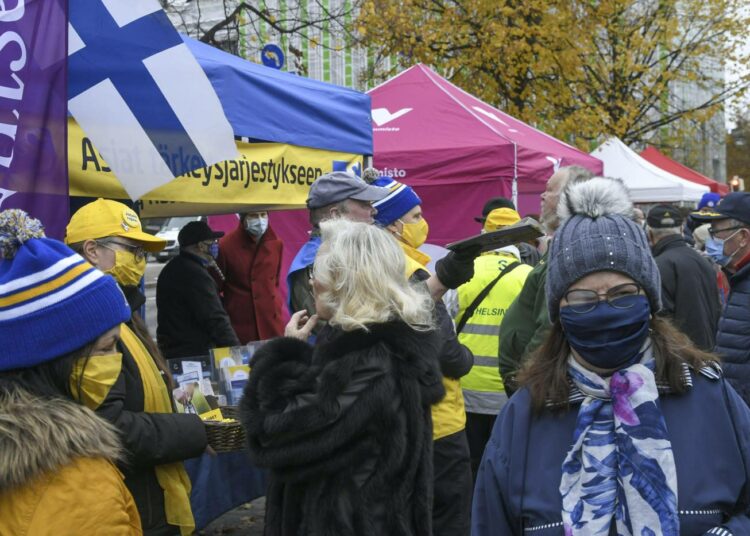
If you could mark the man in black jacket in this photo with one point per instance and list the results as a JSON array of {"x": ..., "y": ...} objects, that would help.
[
  {"x": 730, "y": 235},
  {"x": 191, "y": 317},
  {"x": 689, "y": 292}
]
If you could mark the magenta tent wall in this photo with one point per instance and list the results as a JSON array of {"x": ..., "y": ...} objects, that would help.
[{"x": 457, "y": 151}]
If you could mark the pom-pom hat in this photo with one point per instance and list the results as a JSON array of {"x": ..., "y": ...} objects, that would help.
[
  {"x": 51, "y": 300},
  {"x": 599, "y": 235}
]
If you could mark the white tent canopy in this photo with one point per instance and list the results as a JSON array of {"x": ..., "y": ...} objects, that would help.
[{"x": 646, "y": 182}]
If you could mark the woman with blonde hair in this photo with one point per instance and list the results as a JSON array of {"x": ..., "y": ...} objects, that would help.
[{"x": 345, "y": 426}]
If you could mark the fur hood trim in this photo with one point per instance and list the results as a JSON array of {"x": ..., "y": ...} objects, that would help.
[
  {"x": 600, "y": 196},
  {"x": 398, "y": 335},
  {"x": 38, "y": 435}
]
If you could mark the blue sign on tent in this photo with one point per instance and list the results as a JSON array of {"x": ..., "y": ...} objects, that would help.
[{"x": 272, "y": 56}]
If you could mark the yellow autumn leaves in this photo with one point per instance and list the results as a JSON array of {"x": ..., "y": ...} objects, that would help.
[{"x": 578, "y": 69}]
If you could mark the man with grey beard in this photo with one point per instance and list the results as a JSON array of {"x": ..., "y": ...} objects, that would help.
[{"x": 527, "y": 321}]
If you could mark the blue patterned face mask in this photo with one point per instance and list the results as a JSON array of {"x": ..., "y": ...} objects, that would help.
[
  {"x": 213, "y": 250},
  {"x": 715, "y": 250}
]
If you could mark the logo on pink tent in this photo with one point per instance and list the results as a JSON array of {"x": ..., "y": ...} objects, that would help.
[
  {"x": 382, "y": 116},
  {"x": 393, "y": 173}
]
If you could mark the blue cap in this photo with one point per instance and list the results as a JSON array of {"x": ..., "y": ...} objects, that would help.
[
  {"x": 735, "y": 205},
  {"x": 709, "y": 200}
]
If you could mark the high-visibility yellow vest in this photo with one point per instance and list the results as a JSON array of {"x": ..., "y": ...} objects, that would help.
[
  {"x": 448, "y": 415},
  {"x": 483, "y": 387}
]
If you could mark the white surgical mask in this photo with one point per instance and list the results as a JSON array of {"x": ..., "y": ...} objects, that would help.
[{"x": 256, "y": 226}]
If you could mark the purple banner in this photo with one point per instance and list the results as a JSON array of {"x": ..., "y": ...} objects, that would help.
[{"x": 33, "y": 110}]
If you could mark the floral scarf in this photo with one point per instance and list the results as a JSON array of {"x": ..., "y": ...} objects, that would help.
[{"x": 620, "y": 466}]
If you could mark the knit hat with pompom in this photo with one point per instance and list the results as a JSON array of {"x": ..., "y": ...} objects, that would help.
[
  {"x": 51, "y": 300},
  {"x": 599, "y": 234}
]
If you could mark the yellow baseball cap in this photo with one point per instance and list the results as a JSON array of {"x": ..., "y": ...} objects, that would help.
[
  {"x": 501, "y": 217},
  {"x": 104, "y": 218}
]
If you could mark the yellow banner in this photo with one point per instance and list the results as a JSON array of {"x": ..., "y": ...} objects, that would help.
[{"x": 268, "y": 175}]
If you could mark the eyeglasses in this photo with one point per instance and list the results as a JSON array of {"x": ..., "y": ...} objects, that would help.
[
  {"x": 620, "y": 297},
  {"x": 138, "y": 251},
  {"x": 713, "y": 232}
]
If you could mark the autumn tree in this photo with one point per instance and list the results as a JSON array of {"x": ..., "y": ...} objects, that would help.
[{"x": 578, "y": 69}]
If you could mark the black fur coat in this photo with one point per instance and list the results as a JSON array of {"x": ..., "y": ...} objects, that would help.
[{"x": 345, "y": 428}]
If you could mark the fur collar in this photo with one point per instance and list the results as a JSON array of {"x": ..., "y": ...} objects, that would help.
[
  {"x": 39, "y": 435},
  {"x": 397, "y": 334}
]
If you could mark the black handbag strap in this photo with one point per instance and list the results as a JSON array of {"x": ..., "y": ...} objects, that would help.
[{"x": 469, "y": 312}]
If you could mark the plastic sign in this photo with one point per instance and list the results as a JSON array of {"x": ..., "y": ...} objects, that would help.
[{"x": 272, "y": 56}]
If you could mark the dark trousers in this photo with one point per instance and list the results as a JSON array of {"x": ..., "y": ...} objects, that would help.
[
  {"x": 478, "y": 432},
  {"x": 451, "y": 512}
]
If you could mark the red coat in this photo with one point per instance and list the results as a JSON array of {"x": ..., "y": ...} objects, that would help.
[{"x": 251, "y": 289}]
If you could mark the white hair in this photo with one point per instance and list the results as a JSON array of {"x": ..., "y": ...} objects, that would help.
[{"x": 363, "y": 272}]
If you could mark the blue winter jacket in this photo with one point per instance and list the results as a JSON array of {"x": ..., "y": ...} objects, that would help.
[
  {"x": 517, "y": 489},
  {"x": 733, "y": 337}
]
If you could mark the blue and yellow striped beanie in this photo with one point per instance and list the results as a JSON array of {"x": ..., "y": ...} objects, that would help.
[
  {"x": 400, "y": 200},
  {"x": 52, "y": 301}
]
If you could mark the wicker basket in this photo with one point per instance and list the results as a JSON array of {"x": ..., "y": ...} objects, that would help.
[{"x": 226, "y": 436}]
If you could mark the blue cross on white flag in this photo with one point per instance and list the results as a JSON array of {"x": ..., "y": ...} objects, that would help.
[{"x": 140, "y": 95}]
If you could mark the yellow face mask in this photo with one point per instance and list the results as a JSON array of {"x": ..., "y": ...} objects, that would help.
[
  {"x": 93, "y": 377},
  {"x": 414, "y": 234},
  {"x": 127, "y": 270}
]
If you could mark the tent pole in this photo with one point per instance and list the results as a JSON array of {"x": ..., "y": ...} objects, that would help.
[{"x": 514, "y": 192}]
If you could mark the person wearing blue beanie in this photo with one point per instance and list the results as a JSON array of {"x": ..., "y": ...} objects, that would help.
[
  {"x": 58, "y": 316},
  {"x": 400, "y": 213}
]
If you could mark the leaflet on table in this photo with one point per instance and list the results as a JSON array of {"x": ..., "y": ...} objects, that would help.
[
  {"x": 235, "y": 355},
  {"x": 234, "y": 379},
  {"x": 232, "y": 369},
  {"x": 176, "y": 367},
  {"x": 190, "y": 395}
]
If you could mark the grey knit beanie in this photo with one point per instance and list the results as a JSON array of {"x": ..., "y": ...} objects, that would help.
[{"x": 598, "y": 234}]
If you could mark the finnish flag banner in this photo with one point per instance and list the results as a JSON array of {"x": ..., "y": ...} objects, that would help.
[{"x": 140, "y": 95}]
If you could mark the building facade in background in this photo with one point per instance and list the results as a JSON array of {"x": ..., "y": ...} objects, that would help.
[{"x": 318, "y": 51}]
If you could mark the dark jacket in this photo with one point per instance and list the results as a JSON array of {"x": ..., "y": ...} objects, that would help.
[
  {"x": 709, "y": 428},
  {"x": 689, "y": 293},
  {"x": 345, "y": 429},
  {"x": 190, "y": 314},
  {"x": 251, "y": 290},
  {"x": 455, "y": 358},
  {"x": 525, "y": 325},
  {"x": 149, "y": 439},
  {"x": 733, "y": 337}
]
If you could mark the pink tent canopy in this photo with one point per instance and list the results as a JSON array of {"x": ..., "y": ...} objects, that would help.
[{"x": 457, "y": 151}]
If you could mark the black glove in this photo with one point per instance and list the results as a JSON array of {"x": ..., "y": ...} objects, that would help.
[{"x": 457, "y": 267}]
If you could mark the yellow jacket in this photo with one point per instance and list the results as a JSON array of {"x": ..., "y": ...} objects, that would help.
[
  {"x": 483, "y": 387},
  {"x": 57, "y": 475}
]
